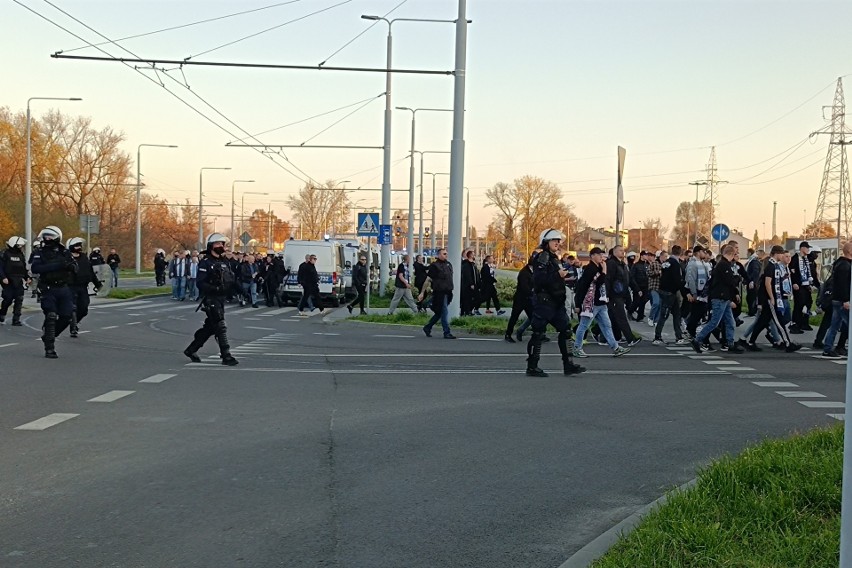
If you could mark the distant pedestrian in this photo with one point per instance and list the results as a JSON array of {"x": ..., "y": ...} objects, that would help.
[
  {"x": 420, "y": 270},
  {"x": 161, "y": 265},
  {"x": 640, "y": 284},
  {"x": 96, "y": 258},
  {"x": 114, "y": 261},
  {"x": 618, "y": 291},
  {"x": 402, "y": 288},
  {"x": 470, "y": 285},
  {"x": 440, "y": 282},
  {"x": 360, "y": 281},
  {"x": 13, "y": 278},
  {"x": 192, "y": 277},
  {"x": 841, "y": 275},
  {"x": 488, "y": 285}
]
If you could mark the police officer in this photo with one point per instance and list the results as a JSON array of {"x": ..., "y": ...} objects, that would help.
[
  {"x": 80, "y": 283},
  {"x": 549, "y": 304},
  {"x": 96, "y": 258},
  {"x": 215, "y": 281},
  {"x": 13, "y": 274},
  {"x": 55, "y": 267},
  {"x": 34, "y": 282}
]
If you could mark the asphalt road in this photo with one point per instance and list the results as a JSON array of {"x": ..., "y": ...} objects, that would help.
[{"x": 356, "y": 445}]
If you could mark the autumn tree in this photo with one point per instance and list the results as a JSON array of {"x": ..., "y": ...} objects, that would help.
[
  {"x": 685, "y": 232},
  {"x": 262, "y": 225},
  {"x": 820, "y": 230},
  {"x": 320, "y": 209}
]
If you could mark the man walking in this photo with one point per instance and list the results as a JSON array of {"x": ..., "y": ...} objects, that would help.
[
  {"x": 671, "y": 283},
  {"x": 771, "y": 297},
  {"x": 311, "y": 287},
  {"x": 640, "y": 284},
  {"x": 723, "y": 292},
  {"x": 618, "y": 290},
  {"x": 440, "y": 281},
  {"x": 402, "y": 285},
  {"x": 360, "y": 280},
  {"x": 753, "y": 270},
  {"x": 840, "y": 277},
  {"x": 802, "y": 279},
  {"x": 470, "y": 283},
  {"x": 698, "y": 286},
  {"x": 591, "y": 299},
  {"x": 114, "y": 261},
  {"x": 13, "y": 276}
]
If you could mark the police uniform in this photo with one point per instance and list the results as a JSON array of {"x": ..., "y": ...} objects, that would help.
[
  {"x": 55, "y": 267},
  {"x": 13, "y": 269},
  {"x": 215, "y": 281},
  {"x": 80, "y": 289},
  {"x": 549, "y": 308}
]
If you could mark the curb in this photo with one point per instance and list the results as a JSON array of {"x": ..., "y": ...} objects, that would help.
[{"x": 598, "y": 547}]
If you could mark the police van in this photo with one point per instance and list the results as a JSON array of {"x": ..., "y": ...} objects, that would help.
[
  {"x": 330, "y": 265},
  {"x": 351, "y": 251}
]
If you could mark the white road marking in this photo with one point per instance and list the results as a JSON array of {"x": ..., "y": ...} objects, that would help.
[
  {"x": 122, "y": 305},
  {"x": 839, "y": 362},
  {"x": 320, "y": 333},
  {"x": 84, "y": 331},
  {"x": 111, "y": 396},
  {"x": 110, "y": 327},
  {"x": 46, "y": 422},
  {"x": 722, "y": 362},
  {"x": 134, "y": 315},
  {"x": 397, "y": 336},
  {"x": 837, "y": 416},
  {"x": 241, "y": 311},
  {"x": 800, "y": 394},
  {"x": 467, "y": 355},
  {"x": 478, "y": 339},
  {"x": 775, "y": 384},
  {"x": 157, "y": 378},
  {"x": 744, "y": 369},
  {"x": 821, "y": 404},
  {"x": 279, "y": 311},
  {"x": 134, "y": 323},
  {"x": 8, "y": 345},
  {"x": 260, "y": 328},
  {"x": 755, "y": 375},
  {"x": 704, "y": 357},
  {"x": 210, "y": 366}
]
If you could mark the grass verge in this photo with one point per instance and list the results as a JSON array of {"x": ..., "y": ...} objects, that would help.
[
  {"x": 475, "y": 325},
  {"x": 775, "y": 505},
  {"x": 127, "y": 293}
]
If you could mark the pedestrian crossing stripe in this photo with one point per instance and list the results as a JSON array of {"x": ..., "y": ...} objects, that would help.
[{"x": 368, "y": 225}]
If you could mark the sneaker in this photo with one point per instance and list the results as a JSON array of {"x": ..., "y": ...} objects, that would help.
[
  {"x": 579, "y": 353},
  {"x": 818, "y": 345},
  {"x": 707, "y": 348},
  {"x": 753, "y": 347},
  {"x": 635, "y": 342},
  {"x": 794, "y": 330},
  {"x": 427, "y": 331},
  {"x": 449, "y": 336},
  {"x": 724, "y": 347},
  {"x": 658, "y": 341},
  {"x": 349, "y": 308},
  {"x": 831, "y": 354},
  {"x": 735, "y": 349},
  {"x": 74, "y": 333},
  {"x": 17, "y": 323},
  {"x": 303, "y": 314},
  {"x": 696, "y": 347},
  {"x": 508, "y": 338},
  {"x": 793, "y": 347},
  {"x": 572, "y": 369},
  {"x": 192, "y": 355},
  {"x": 229, "y": 360},
  {"x": 807, "y": 328},
  {"x": 545, "y": 339},
  {"x": 619, "y": 351},
  {"x": 50, "y": 354},
  {"x": 255, "y": 306},
  {"x": 601, "y": 341},
  {"x": 682, "y": 341},
  {"x": 536, "y": 372},
  {"x": 651, "y": 323},
  {"x": 501, "y": 312},
  {"x": 841, "y": 351}
]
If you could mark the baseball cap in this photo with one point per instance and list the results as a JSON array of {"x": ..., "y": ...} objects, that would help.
[
  {"x": 804, "y": 244},
  {"x": 596, "y": 250}
]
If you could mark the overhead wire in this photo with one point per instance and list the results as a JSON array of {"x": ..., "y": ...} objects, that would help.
[
  {"x": 196, "y": 110},
  {"x": 182, "y": 26},
  {"x": 368, "y": 28},
  {"x": 335, "y": 123}
]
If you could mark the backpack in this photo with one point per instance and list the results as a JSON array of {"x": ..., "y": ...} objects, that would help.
[{"x": 825, "y": 291}]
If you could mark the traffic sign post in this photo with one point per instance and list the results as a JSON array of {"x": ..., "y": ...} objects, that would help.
[
  {"x": 385, "y": 234},
  {"x": 368, "y": 226},
  {"x": 720, "y": 232}
]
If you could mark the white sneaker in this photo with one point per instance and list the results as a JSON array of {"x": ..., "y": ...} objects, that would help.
[
  {"x": 683, "y": 341},
  {"x": 619, "y": 351},
  {"x": 658, "y": 341},
  {"x": 303, "y": 314},
  {"x": 651, "y": 323}
]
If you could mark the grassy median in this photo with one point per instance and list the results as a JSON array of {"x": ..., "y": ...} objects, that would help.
[
  {"x": 775, "y": 505},
  {"x": 482, "y": 325},
  {"x": 128, "y": 293}
]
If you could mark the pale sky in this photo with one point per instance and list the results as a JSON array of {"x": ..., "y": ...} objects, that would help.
[{"x": 553, "y": 87}]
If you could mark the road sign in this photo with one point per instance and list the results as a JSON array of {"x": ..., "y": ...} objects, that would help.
[
  {"x": 368, "y": 224},
  {"x": 90, "y": 224},
  {"x": 385, "y": 234},
  {"x": 245, "y": 238},
  {"x": 720, "y": 232}
]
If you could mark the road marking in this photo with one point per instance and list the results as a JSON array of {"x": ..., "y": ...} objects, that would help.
[
  {"x": 775, "y": 384},
  {"x": 134, "y": 315},
  {"x": 122, "y": 305},
  {"x": 800, "y": 394},
  {"x": 469, "y": 371},
  {"x": 134, "y": 323},
  {"x": 704, "y": 357},
  {"x": 110, "y": 327},
  {"x": 821, "y": 404},
  {"x": 467, "y": 355},
  {"x": 84, "y": 331},
  {"x": 8, "y": 345},
  {"x": 260, "y": 328},
  {"x": 111, "y": 396},
  {"x": 157, "y": 378},
  {"x": 837, "y": 416},
  {"x": 839, "y": 362},
  {"x": 241, "y": 311},
  {"x": 46, "y": 422},
  {"x": 755, "y": 375},
  {"x": 279, "y": 311},
  {"x": 723, "y": 362},
  {"x": 397, "y": 336},
  {"x": 478, "y": 339},
  {"x": 745, "y": 369},
  {"x": 319, "y": 333}
]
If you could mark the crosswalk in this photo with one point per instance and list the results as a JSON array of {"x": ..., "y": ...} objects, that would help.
[{"x": 134, "y": 308}]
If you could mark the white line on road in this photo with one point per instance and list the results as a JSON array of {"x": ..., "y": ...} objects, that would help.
[
  {"x": 110, "y": 327},
  {"x": 821, "y": 404},
  {"x": 85, "y": 331},
  {"x": 8, "y": 345},
  {"x": 723, "y": 362},
  {"x": 465, "y": 355},
  {"x": 775, "y": 384},
  {"x": 46, "y": 422},
  {"x": 704, "y": 357},
  {"x": 837, "y": 416},
  {"x": 397, "y": 336},
  {"x": 157, "y": 378},
  {"x": 800, "y": 394},
  {"x": 320, "y": 333},
  {"x": 134, "y": 323},
  {"x": 744, "y": 369},
  {"x": 755, "y": 375},
  {"x": 134, "y": 315},
  {"x": 260, "y": 328},
  {"x": 111, "y": 396},
  {"x": 470, "y": 371},
  {"x": 478, "y": 339},
  {"x": 279, "y": 311}
]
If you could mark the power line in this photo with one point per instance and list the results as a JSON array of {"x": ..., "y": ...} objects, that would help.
[
  {"x": 199, "y": 22},
  {"x": 368, "y": 28}
]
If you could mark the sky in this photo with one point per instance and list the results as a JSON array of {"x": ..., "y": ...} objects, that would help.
[{"x": 553, "y": 88}]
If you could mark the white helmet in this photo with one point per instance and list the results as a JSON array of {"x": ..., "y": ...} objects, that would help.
[
  {"x": 217, "y": 238},
  {"x": 37, "y": 243},
  {"x": 96, "y": 249},
  {"x": 16, "y": 242},
  {"x": 551, "y": 235},
  {"x": 51, "y": 232},
  {"x": 74, "y": 241}
]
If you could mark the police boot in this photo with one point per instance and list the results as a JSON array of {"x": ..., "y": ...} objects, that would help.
[
  {"x": 16, "y": 312},
  {"x": 534, "y": 354},
  {"x": 49, "y": 336},
  {"x": 74, "y": 329},
  {"x": 224, "y": 347},
  {"x": 568, "y": 366}
]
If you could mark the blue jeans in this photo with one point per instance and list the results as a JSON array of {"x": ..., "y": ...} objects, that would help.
[
  {"x": 442, "y": 315},
  {"x": 177, "y": 288},
  {"x": 191, "y": 290},
  {"x": 720, "y": 309},
  {"x": 655, "y": 305},
  {"x": 249, "y": 290},
  {"x": 600, "y": 314},
  {"x": 115, "y": 277},
  {"x": 839, "y": 316}
]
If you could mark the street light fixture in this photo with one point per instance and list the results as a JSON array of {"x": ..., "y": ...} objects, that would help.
[
  {"x": 28, "y": 194},
  {"x": 233, "y": 204},
  {"x": 139, "y": 200},
  {"x": 386, "y": 164},
  {"x": 243, "y": 210},
  {"x": 201, "y": 244}
]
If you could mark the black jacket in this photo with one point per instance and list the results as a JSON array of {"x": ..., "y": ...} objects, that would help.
[
  {"x": 441, "y": 274},
  {"x": 84, "y": 274},
  {"x": 548, "y": 285},
  {"x": 724, "y": 281},
  {"x": 215, "y": 277},
  {"x": 359, "y": 276},
  {"x": 840, "y": 276},
  {"x": 671, "y": 279},
  {"x": 54, "y": 264},
  {"x": 470, "y": 276},
  {"x": 488, "y": 280},
  {"x": 524, "y": 289},
  {"x": 13, "y": 264},
  {"x": 639, "y": 276},
  {"x": 617, "y": 278},
  {"x": 419, "y": 274},
  {"x": 308, "y": 277},
  {"x": 592, "y": 273},
  {"x": 113, "y": 260}
]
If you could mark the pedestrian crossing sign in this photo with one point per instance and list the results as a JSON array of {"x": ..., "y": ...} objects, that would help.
[{"x": 368, "y": 224}]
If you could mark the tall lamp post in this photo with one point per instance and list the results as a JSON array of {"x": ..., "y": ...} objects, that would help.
[
  {"x": 201, "y": 204},
  {"x": 28, "y": 193},
  {"x": 139, "y": 200},
  {"x": 243, "y": 210},
  {"x": 433, "y": 243},
  {"x": 420, "y": 218},
  {"x": 386, "y": 164},
  {"x": 233, "y": 204},
  {"x": 410, "y": 237},
  {"x": 272, "y": 224}
]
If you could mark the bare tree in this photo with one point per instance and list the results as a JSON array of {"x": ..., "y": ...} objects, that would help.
[{"x": 321, "y": 209}]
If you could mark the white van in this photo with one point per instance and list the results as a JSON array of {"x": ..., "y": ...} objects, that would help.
[
  {"x": 329, "y": 265},
  {"x": 352, "y": 249}
]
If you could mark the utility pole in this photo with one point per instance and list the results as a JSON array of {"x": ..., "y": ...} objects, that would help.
[{"x": 774, "y": 211}]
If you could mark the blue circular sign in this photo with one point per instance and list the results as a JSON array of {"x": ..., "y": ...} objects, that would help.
[{"x": 720, "y": 232}]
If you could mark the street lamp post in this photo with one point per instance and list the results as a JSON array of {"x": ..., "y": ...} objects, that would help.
[
  {"x": 386, "y": 164},
  {"x": 423, "y": 153},
  {"x": 28, "y": 193},
  {"x": 433, "y": 243},
  {"x": 201, "y": 204},
  {"x": 243, "y": 210},
  {"x": 272, "y": 225},
  {"x": 410, "y": 237},
  {"x": 233, "y": 204},
  {"x": 139, "y": 200}
]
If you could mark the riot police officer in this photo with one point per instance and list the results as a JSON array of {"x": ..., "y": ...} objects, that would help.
[
  {"x": 55, "y": 267},
  {"x": 549, "y": 304},
  {"x": 215, "y": 281},
  {"x": 13, "y": 274},
  {"x": 80, "y": 283},
  {"x": 34, "y": 277}
]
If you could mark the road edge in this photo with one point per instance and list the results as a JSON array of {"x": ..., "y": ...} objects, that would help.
[{"x": 600, "y": 545}]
